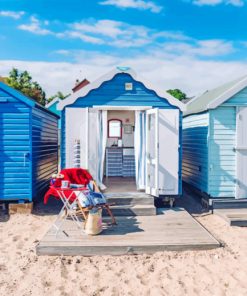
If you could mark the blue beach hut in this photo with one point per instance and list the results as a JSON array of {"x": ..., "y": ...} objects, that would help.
[
  {"x": 215, "y": 142},
  {"x": 126, "y": 132},
  {"x": 28, "y": 146}
]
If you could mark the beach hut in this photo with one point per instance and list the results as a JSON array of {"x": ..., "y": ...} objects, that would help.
[
  {"x": 28, "y": 146},
  {"x": 215, "y": 142},
  {"x": 124, "y": 131}
]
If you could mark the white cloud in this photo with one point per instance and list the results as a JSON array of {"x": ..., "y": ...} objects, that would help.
[
  {"x": 12, "y": 14},
  {"x": 137, "y": 4},
  {"x": 203, "y": 48},
  {"x": 118, "y": 34},
  {"x": 189, "y": 73},
  {"x": 238, "y": 3},
  {"x": 36, "y": 27}
]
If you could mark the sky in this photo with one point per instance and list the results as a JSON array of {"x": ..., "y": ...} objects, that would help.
[{"x": 193, "y": 45}]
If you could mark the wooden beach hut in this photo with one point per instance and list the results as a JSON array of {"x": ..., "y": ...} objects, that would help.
[
  {"x": 28, "y": 146},
  {"x": 215, "y": 142},
  {"x": 122, "y": 128}
]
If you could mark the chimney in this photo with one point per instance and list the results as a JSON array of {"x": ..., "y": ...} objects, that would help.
[{"x": 79, "y": 85}]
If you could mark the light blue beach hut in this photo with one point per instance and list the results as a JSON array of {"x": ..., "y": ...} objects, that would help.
[
  {"x": 120, "y": 126},
  {"x": 28, "y": 146},
  {"x": 215, "y": 142}
]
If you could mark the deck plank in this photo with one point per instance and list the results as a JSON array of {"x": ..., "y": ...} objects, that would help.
[{"x": 175, "y": 229}]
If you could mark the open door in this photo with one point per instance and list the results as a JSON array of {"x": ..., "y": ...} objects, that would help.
[
  {"x": 162, "y": 152},
  {"x": 241, "y": 150},
  {"x": 152, "y": 153}
]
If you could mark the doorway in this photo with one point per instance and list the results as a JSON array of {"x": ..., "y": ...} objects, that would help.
[{"x": 119, "y": 166}]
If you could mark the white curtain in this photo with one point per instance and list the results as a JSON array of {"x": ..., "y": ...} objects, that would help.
[
  {"x": 140, "y": 149},
  {"x": 102, "y": 132}
]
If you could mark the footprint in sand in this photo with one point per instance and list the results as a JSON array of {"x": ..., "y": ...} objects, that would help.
[{"x": 16, "y": 238}]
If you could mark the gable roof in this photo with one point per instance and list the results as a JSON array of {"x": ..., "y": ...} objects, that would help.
[
  {"x": 26, "y": 100},
  {"x": 213, "y": 98},
  {"x": 110, "y": 75}
]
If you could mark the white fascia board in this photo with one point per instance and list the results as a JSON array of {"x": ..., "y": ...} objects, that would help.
[
  {"x": 127, "y": 108},
  {"x": 97, "y": 83},
  {"x": 228, "y": 94},
  {"x": 52, "y": 102}
]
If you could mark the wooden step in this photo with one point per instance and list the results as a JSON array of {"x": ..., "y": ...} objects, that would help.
[
  {"x": 235, "y": 217},
  {"x": 125, "y": 200},
  {"x": 229, "y": 204},
  {"x": 133, "y": 210}
]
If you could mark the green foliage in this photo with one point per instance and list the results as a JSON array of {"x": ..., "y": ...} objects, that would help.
[
  {"x": 177, "y": 93},
  {"x": 59, "y": 95},
  {"x": 23, "y": 82}
]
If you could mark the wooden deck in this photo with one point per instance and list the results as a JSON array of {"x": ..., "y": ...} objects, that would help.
[
  {"x": 235, "y": 217},
  {"x": 174, "y": 229}
]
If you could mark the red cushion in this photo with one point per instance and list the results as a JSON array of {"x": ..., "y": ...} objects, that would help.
[{"x": 74, "y": 176}]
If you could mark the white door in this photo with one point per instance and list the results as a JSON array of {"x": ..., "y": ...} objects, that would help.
[
  {"x": 76, "y": 128},
  {"x": 93, "y": 129},
  {"x": 168, "y": 151},
  {"x": 241, "y": 151},
  {"x": 152, "y": 152}
]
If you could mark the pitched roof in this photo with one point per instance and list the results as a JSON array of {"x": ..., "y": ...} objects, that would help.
[
  {"x": 110, "y": 75},
  {"x": 20, "y": 96},
  {"x": 213, "y": 98}
]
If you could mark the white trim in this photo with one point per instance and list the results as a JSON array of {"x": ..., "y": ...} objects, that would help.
[
  {"x": 110, "y": 75},
  {"x": 122, "y": 108},
  {"x": 52, "y": 102},
  {"x": 87, "y": 138}
]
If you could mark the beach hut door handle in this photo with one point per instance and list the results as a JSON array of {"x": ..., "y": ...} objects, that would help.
[{"x": 25, "y": 155}]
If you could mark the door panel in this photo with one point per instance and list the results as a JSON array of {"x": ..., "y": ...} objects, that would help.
[
  {"x": 76, "y": 128},
  {"x": 168, "y": 151},
  {"x": 152, "y": 152},
  {"x": 93, "y": 142},
  {"x": 241, "y": 151}
]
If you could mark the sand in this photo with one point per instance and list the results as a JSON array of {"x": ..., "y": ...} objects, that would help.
[{"x": 216, "y": 272}]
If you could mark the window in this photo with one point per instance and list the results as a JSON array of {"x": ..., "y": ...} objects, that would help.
[{"x": 115, "y": 128}]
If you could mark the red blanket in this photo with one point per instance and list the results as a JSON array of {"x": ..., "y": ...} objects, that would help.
[{"x": 74, "y": 176}]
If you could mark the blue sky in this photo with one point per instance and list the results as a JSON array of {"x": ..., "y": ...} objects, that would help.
[{"x": 191, "y": 44}]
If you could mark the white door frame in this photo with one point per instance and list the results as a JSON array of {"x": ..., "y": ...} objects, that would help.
[{"x": 155, "y": 162}]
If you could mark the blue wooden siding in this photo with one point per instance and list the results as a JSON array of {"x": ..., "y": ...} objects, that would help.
[
  {"x": 195, "y": 150},
  {"x": 222, "y": 159},
  {"x": 240, "y": 99},
  {"x": 113, "y": 93},
  {"x": 44, "y": 150},
  {"x": 53, "y": 108},
  {"x": 15, "y": 168}
]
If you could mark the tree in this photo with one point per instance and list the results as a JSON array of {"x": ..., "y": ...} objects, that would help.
[
  {"x": 59, "y": 95},
  {"x": 23, "y": 82},
  {"x": 178, "y": 94}
]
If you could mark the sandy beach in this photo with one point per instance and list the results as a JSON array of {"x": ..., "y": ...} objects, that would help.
[{"x": 216, "y": 272}]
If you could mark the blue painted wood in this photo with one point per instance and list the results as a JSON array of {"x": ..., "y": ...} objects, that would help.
[
  {"x": 44, "y": 150},
  {"x": 14, "y": 143},
  {"x": 28, "y": 145},
  {"x": 113, "y": 93},
  {"x": 222, "y": 158},
  {"x": 195, "y": 150},
  {"x": 239, "y": 99}
]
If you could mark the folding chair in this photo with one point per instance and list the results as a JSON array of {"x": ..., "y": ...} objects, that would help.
[{"x": 69, "y": 209}]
